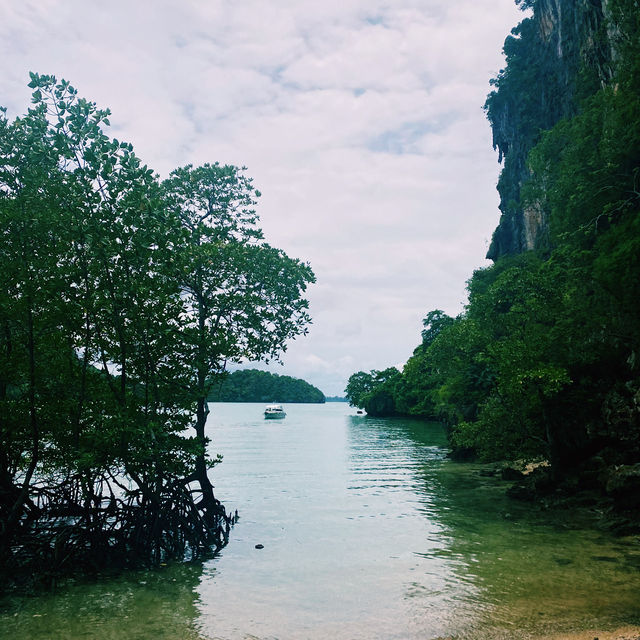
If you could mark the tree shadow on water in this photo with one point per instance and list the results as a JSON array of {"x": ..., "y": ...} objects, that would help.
[{"x": 161, "y": 603}]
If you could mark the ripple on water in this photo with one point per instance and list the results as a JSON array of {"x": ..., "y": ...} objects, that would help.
[{"x": 369, "y": 532}]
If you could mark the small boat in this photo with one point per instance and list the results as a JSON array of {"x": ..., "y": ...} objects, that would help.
[{"x": 272, "y": 411}]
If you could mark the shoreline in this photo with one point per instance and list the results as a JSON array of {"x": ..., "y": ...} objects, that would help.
[{"x": 622, "y": 633}]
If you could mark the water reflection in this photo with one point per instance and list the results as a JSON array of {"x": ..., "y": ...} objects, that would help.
[
  {"x": 505, "y": 567},
  {"x": 159, "y": 604},
  {"x": 536, "y": 568},
  {"x": 402, "y": 460},
  {"x": 369, "y": 532}
]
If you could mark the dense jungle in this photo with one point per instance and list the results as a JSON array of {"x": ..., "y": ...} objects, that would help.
[{"x": 543, "y": 364}]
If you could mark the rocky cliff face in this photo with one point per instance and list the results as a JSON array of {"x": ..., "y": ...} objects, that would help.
[{"x": 560, "y": 54}]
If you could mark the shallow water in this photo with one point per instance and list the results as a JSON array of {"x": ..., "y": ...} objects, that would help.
[{"x": 369, "y": 531}]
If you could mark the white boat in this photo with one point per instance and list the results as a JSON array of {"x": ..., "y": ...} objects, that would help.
[{"x": 274, "y": 411}]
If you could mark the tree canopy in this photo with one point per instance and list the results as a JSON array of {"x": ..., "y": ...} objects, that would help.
[{"x": 121, "y": 299}]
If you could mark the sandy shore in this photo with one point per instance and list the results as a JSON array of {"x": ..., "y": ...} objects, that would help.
[{"x": 625, "y": 633}]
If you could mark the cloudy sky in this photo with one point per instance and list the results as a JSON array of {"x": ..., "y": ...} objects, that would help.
[{"x": 359, "y": 120}]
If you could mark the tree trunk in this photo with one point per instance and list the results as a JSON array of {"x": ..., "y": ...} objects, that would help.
[
  {"x": 17, "y": 509},
  {"x": 210, "y": 505}
]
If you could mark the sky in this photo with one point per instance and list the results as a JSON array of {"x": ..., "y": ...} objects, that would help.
[{"x": 360, "y": 122}]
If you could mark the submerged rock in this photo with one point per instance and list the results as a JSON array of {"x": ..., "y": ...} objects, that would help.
[{"x": 511, "y": 474}]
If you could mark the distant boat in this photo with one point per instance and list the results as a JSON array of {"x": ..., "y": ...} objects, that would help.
[{"x": 274, "y": 411}]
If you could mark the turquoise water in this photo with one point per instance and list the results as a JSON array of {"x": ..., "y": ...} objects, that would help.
[{"x": 369, "y": 531}]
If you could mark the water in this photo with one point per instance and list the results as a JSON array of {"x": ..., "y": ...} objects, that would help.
[{"x": 369, "y": 531}]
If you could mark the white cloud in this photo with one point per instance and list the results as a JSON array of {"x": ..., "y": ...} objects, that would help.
[{"x": 360, "y": 120}]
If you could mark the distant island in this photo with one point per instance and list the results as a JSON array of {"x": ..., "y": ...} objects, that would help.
[
  {"x": 335, "y": 399},
  {"x": 252, "y": 385}
]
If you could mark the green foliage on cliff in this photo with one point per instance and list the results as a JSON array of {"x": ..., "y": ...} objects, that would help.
[
  {"x": 557, "y": 56},
  {"x": 545, "y": 360},
  {"x": 252, "y": 385}
]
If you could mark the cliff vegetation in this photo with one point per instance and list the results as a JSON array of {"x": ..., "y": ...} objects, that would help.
[{"x": 544, "y": 362}]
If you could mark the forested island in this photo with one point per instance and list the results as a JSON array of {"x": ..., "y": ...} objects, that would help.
[
  {"x": 543, "y": 364},
  {"x": 122, "y": 299},
  {"x": 252, "y": 385}
]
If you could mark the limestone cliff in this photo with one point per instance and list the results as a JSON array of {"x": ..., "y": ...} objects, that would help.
[{"x": 560, "y": 53}]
